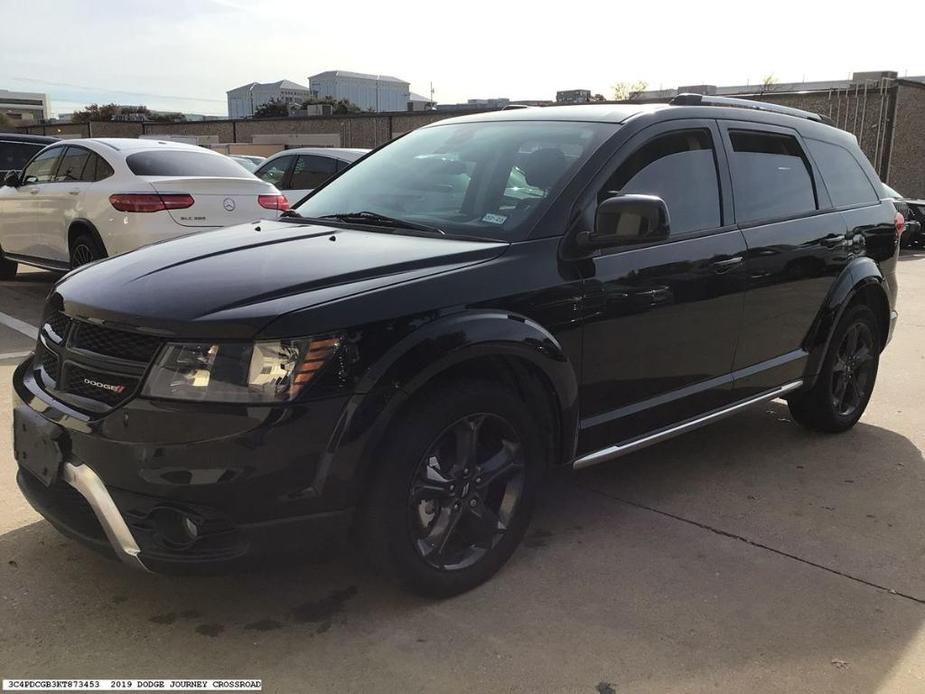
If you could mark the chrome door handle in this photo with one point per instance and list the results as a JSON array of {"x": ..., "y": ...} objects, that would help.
[{"x": 728, "y": 264}]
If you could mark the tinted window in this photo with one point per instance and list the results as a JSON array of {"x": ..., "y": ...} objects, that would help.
[
  {"x": 680, "y": 168},
  {"x": 771, "y": 176},
  {"x": 183, "y": 163},
  {"x": 311, "y": 171},
  {"x": 275, "y": 171},
  {"x": 458, "y": 176},
  {"x": 71, "y": 166},
  {"x": 844, "y": 179},
  {"x": 14, "y": 155},
  {"x": 42, "y": 168},
  {"x": 101, "y": 168}
]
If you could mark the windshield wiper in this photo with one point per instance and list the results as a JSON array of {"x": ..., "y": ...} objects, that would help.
[
  {"x": 376, "y": 219},
  {"x": 292, "y": 213}
]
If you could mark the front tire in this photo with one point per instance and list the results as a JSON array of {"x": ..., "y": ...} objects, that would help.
[
  {"x": 85, "y": 249},
  {"x": 846, "y": 381},
  {"x": 456, "y": 487}
]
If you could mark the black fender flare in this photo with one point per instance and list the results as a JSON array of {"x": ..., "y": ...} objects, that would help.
[
  {"x": 427, "y": 352},
  {"x": 857, "y": 276}
]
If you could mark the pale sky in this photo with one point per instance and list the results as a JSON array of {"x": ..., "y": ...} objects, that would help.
[{"x": 184, "y": 55}]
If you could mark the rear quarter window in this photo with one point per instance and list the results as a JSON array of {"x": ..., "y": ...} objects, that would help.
[
  {"x": 183, "y": 163},
  {"x": 844, "y": 179}
]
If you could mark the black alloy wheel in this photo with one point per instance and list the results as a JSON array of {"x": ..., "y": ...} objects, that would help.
[
  {"x": 454, "y": 485},
  {"x": 465, "y": 491},
  {"x": 853, "y": 369},
  {"x": 846, "y": 379},
  {"x": 85, "y": 249}
]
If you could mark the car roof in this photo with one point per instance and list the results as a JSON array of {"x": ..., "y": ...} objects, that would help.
[
  {"x": 342, "y": 153},
  {"x": 35, "y": 139},
  {"x": 592, "y": 113}
]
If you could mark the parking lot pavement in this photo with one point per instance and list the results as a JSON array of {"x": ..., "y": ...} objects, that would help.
[{"x": 748, "y": 556}]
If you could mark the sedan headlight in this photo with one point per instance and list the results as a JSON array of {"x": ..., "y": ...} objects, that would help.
[{"x": 254, "y": 372}]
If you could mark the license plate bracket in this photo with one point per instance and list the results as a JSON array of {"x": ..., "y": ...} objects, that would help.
[{"x": 38, "y": 444}]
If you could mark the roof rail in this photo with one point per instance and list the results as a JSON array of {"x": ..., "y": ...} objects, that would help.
[
  {"x": 514, "y": 107},
  {"x": 704, "y": 100}
]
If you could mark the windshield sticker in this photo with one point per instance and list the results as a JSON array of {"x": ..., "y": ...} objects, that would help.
[{"x": 494, "y": 218}]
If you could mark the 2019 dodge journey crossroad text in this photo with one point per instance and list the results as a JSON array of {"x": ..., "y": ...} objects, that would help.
[{"x": 401, "y": 358}]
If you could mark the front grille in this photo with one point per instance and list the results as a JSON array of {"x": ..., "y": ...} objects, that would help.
[
  {"x": 91, "y": 367},
  {"x": 114, "y": 343},
  {"x": 106, "y": 388}
]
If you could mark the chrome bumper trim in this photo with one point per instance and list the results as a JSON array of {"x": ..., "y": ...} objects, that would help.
[
  {"x": 612, "y": 452},
  {"x": 91, "y": 487}
]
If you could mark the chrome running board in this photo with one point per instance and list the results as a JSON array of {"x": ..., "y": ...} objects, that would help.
[
  {"x": 91, "y": 487},
  {"x": 616, "y": 451}
]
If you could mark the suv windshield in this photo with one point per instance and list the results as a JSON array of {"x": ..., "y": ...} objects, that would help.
[{"x": 487, "y": 179}]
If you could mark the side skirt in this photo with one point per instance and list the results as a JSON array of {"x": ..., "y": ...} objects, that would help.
[{"x": 617, "y": 450}]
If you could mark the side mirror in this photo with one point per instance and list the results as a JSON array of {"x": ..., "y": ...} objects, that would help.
[
  {"x": 627, "y": 220},
  {"x": 11, "y": 179}
]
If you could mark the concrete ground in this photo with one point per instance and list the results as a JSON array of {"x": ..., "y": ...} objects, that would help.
[{"x": 749, "y": 556}]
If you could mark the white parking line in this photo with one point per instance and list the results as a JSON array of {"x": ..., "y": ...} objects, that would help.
[
  {"x": 13, "y": 355},
  {"x": 19, "y": 326}
]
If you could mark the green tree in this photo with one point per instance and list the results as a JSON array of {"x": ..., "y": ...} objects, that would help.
[
  {"x": 625, "y": 91},
  {"x": 274, "y": 108},
  {"x": 95, "y": 112},
  {"x": 338, "y": 106}
]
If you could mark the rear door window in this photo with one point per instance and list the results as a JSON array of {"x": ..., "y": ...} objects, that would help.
[
  {"x": 42, "y": 168},
  {"x": 96, "y": 169},
  {"x": 771, "y": 176},
  {"x": 680, "y": 168},
  {"x": 15, "y": 155},
  {"x": 311, "y": 171},
  {"x": 72, "y": 164},
  {"x": 844, "y": 178},
  {"x": 183, "y": 163},
  {"x": 274, "y": 172}
]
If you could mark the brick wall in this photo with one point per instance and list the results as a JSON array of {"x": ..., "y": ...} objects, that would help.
[
  {"x": 354, "y": 130},
  {"x": 907, "y": 164}
]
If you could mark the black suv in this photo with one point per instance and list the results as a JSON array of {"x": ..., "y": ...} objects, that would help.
[
  {"x": 403, "y": 357},
  {"x": 16, "y": 150}
]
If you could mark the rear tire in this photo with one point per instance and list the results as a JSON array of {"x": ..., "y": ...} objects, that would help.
[
  {"x": 8, "y": 269},
  {"x": 85, "y": 249},
  {"x": 455, "y": 488},
  {"x": 846, "y": 381}
]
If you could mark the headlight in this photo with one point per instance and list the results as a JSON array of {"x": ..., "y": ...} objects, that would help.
[{"x": 253, "y": 372}]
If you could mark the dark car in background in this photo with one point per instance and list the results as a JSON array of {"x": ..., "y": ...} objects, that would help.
[
  {"x": 16, "y": 150},
  {"x": 403, "y": 358},
  {"x": 913, "y": 212}
]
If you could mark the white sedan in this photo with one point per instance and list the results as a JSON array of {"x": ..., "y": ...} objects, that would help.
[{"x": 81, "y": 200}]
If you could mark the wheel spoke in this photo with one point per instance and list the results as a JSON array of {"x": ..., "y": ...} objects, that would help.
[
  {"x": 467, "y": 442},
  {"x": 484, "y": 522},
  {"x": 503, "y": 463},
  {"x": 442, "y": 531},
  {"x": 423, "y": 490},
  {"x": 851, "y": 340}
]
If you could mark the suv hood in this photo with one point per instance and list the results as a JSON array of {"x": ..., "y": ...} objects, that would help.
[{"x": 231, "y": 282}]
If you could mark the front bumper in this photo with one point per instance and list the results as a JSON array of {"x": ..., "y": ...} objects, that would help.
[{"x": 251, "y": 482}]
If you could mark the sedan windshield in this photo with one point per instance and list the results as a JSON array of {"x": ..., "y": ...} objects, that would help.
[{"x": 489, "y": 179}]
